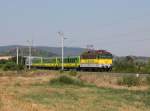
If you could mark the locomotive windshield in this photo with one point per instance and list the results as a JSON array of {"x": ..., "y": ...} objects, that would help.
[{"x": 96, "y": 54}]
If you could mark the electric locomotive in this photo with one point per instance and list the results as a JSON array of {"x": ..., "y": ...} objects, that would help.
[{"x": 99, "y": 60}]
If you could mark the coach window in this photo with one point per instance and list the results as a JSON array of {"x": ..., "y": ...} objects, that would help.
[
  {"x": 74, "y": 59},
  {"x": 69, "y": 60}
]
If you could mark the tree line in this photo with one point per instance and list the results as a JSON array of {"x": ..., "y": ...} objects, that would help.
[
  {"x": 130, "y": 65},
  {"x": 11, "y": 64}
]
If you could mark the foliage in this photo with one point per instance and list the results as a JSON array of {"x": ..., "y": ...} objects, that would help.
[
  {"x": 73, "y": 73},
  {"x": 12, "y": 66},
  {"x": 148, "y": 80},
  {"x": 66, "y": 80},
  {"x": 129, "y": 65},
  {"x": 129, "y": 81},
  {"x": 124, "y": 67},
  {"x": 147, "y": 68},
  {"x": 21, "y": 60},
  {"x": 3, "y": 61},
  {"x": 61, "y": 71}
]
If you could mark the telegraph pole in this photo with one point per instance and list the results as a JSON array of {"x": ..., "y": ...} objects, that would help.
[
  {"x": 30, "y": 50},
  {"x": 17, "y": 55},
  {"x": 62, "y": 49},
  {"x": 62, "y": 45},
  {"x": 22, "y": 57}
]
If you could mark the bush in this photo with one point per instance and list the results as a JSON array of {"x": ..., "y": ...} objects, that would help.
[
  {"x": 61, "y": 71},
  {"x": 12, "y": 66},
  {"x": 148, "y": 80},
  {"x": 66, "y": 80},
  {"x": 124, "y": 66},
  {"x": 1, "y": 65},
  {"x": 3, "y": 61},
  {"x": 129, "y": 81},
  {"x": 73, "y": 73},
  {"x": 17, "y": 84}
]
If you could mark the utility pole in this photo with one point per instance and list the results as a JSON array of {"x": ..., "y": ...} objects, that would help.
[
  {"x": 22, "y": 57},
  {"x": 61, "y": 34},
  {"x": 17, "y": 55},
  {"x": 30, "y": 50}
]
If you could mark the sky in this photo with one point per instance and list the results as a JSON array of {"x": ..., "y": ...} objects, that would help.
[{"x": 119, "y": 26}]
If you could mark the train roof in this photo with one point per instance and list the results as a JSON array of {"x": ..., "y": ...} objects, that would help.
[{"x": 96, "y": 52}]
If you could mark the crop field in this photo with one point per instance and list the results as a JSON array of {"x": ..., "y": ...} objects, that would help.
[{"x": 35, "y": 91}]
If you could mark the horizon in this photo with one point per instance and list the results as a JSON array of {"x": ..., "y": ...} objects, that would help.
[{"x": 74, "y": 47}]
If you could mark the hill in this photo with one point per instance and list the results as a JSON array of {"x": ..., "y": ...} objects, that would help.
[
  {"x": 68, "y": 51},
  {"x": 40, "y": 51}
]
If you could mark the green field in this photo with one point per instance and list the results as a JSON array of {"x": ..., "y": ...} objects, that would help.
[{"x": 33, "y": 91}]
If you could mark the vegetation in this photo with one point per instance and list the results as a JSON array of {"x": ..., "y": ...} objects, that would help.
[
  {"x": 61, "y": 71},
  {"x": 73, "y": 73},
  {"x": 36, "y": 93},
  {"x": 148, "y": 80},
  {"x": 130, "y": 65},
  {"x": 10, "y": 65},
  {"x": 64, "y": 79},
  {"x": 129, "y": 81}
]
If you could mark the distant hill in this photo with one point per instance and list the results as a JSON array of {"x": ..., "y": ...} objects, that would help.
[
  {"x": 68, "y": 51},
  {"x": 40, "y": 51}
]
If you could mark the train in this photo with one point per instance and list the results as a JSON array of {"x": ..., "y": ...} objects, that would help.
[{"x": 91, "y": 60}]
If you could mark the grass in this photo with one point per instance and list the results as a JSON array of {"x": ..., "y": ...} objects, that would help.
[
  {"x": 39, "y": 93},
  {"x": 148, "y": 80},
  {"x": 73, "y": 73},
  {"x": 69, "y": 98},
  {"x": 64, "y": 79},
  {"x": 129, "y": 81}
]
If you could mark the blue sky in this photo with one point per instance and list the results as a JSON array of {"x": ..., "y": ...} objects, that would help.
[{"x": 120, "y": 26}]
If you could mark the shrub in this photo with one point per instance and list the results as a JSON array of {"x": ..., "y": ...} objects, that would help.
[
  {"x": 12, "y": 66},
  {"x": 1, "y": 65},
  {"x": 120, "y": 81},
  {"x": 20, "y": 67},
  {"x": 146, "y": 69},
  {"x": 66, "y": 80},
  {"x": 73, "y": 73},
  {"x": 61, "y": 71},
  {"x": 9, "y": 66},
  {"x": 17, "y": 84},
  {"x": 129, "y": 81},
  {"x": 148, "y": 80}
]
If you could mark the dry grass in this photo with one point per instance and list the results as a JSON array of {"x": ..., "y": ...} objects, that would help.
[
  {"x": 12, "y": 82},
  {"x": 109, "y": 81},
  {"x": 31, "y": 92},
  {"x": 10, "y": 102}
]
